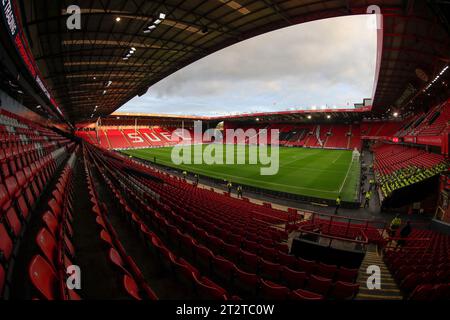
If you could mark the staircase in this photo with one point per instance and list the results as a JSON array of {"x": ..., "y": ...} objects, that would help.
[
  {"x": 107, "y": 139},
  {"x": 389, "y": 289}
]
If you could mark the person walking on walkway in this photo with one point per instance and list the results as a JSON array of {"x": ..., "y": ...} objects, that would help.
[
  {"x": 229, "y": 186},
  {"x": 239, "y": 191},
  {"x": 367, "y": 199}
]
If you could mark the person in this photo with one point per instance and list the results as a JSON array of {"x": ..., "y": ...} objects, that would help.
[
  {"x": 367, "y": 199},
  {"x": 229, "y": 186},
  {"x": 338, "y": 204},
  {"x": 404, "y": 233},
  {"x": 395, "y": 224},
  {"x": 184, "y": 174},
  {"x": 239, "y": 191}
]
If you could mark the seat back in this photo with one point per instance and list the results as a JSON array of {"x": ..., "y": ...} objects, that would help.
[{"x": 46, "y": 244}]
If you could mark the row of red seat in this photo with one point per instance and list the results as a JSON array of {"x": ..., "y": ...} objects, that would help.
[
  {"x": 423, "y": 265},
  {"x": 334, "y": 136},
  {"x": 128, "y": 272},
  {"x": 127, "y": 138},
  {"x": 390, "y": 158},
  {"x": 430, "y": 123},
  {"x": 48, "y": 268},
  {"x": 27, "y": 168}
]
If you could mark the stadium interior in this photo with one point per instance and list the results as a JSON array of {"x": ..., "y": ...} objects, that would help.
[{"x": 85, "y": 185}]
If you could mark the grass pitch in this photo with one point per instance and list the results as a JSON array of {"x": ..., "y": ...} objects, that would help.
[{"x": 317, "y": 173}]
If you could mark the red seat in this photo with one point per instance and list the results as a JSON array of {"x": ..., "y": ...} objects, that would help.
[
  {"x": 117, "y": 261},
  {"x": 269, "y": 270},
  {"x": 204, "y": 257},
  {"x": 273, "y": 291},
  {"x": 293, "y": 279},
  {"x": 301, "y": 294},
  {"x": 2, "y": 279},
  {"x": 13, "y": 221},
  {"x": 250, "y": 261},
  {"x": 288, "y": 260},
  {"x": 319, "y": 285},
  {"x": 269, "y": 254},
  {"x": 347, "y": 275},
  {"x": 23, "y": 183},
  {"x": 184, "y": 271},
  {"x": 106, "y": 238},
  {"x": 246, "y": 282},
  {"x": 55, "y": 208},
  {"x": 342, "y": 290},
  {"x": 410, "y": 282},
  {"x": 6, "y": 244},
  {"x": 51, "y": 223},
  {"x": 69, "y": 246},
  {"x": 306, "y": 265},
  {"x": 325, "y": 270},
  {"x": 422, "y": 292},
  {"x": 43, "y": 278},
  {"x": 4, "y": 198},
  {"x": 231, "y": 250},
  {"x": 47, "y": 245},
  {"x": 223, "y": 268},
  {"x": 131, "y": 287}
]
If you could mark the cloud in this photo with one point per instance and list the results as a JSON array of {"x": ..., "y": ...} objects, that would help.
[{"x": 325, "y": 62}]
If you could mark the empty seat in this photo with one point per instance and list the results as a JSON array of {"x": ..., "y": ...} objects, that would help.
[
  {"x": 293, "y": 279},
  {"x": 51, "y": 223},
  {"x": 250, "y": 261},
  {"x": 13, "y": 221},
  {"x": 244, "y": 282},
  {"x": 207, "y": 289},
  {"x": 306, "y": 265},
  {"x": 184, "y": 271},
  {"x": 2, "y": 279},
  {"x": 117, "y": 261},
  {"x": 325, "y": 270},
  {"x": 422, "y": 292},
  {"x": 347, "y": 275},
  {"x": 47, "y": 245},
  {"x": 288, "y": 260},
  {"x": 43, "y": 278},
  {"x": 223, "y": 269},
  {"x": 131, "y": 287},
  {"x": 319, "y": 285},
  {"x": 6, "y": 244},
  {"x": 269, "y": 270}
]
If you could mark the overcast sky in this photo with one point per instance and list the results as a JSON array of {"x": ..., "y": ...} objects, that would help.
[{"x": 328, "y": 62}]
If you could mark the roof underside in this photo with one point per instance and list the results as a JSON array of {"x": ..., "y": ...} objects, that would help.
[{"x": 78, "y": 64}]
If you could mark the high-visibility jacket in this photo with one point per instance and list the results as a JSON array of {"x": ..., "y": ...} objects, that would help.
[{"x": 395, "y": 223}]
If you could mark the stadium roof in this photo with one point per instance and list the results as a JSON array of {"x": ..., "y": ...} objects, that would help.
[{"x": 86, "y": 68}]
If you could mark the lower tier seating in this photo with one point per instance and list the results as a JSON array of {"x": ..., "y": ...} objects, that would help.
[{"x": 397, "y": 166}]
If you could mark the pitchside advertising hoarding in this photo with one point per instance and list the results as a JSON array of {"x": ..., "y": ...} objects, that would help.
[{"x": 14, "y": 29}]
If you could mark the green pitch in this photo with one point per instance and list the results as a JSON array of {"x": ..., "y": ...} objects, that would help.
[{"x": 315, "y": 173}]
